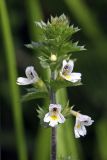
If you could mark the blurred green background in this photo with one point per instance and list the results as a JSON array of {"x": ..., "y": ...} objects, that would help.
[{"x": 21, "y": 135}]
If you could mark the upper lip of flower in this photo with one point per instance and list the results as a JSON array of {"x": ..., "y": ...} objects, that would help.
[
  {"x": 54, "y": 116},
  {"x": 69, "y": 65},
  {"x": 66, "y": 71},
  {"x": 31, "y": 77},
  {"x": 56, "y": 107}
]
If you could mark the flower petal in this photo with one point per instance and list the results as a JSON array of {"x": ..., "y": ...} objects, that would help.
[
  {"x": 72, "y": 77},
  {"x": 31, "y": 73},
  {"x": 71, "y": 64},
  {"x": 81, "y": 122},
  {"x": 75, "y": 77},
  {"x": 64, "y": 63},
  {"x": 88, "y": 123},
  {"x": 66, "y": 77},
  {"x": 86, "y": 120},
  {"x": 76, "y": 133},
  {"x": 84, "y": 130},
  {"x": 61, "y": 118},
  {"x": 23, "y": 81},
  {"x": 81, "y": 130},
  {"x": 47, "y": 117},
  {"x": 53, "y": 123},
  {"x": 32, "y": 77},
  {"x": 82, "y": 117},
  {"x": 67, "y": 67},
  {"x": 54, "y": 116},
  {"x": 57, "y": 106}
]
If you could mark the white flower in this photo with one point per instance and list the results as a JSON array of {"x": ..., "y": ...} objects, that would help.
[
  {"x": 81, "y": 122},
  {"x": 54, "y": 115},
  {"x": 66, "y": 72},
  {"x": 31, "y": 77}
]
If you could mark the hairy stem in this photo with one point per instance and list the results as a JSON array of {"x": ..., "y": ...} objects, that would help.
[
  {"x": 53, "y": 136},
  {"x": 53, "y": 144}
]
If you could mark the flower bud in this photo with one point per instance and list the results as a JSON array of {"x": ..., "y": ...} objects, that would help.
[{"x": 53, "y": 57}]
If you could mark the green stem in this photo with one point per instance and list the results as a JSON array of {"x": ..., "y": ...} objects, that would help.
[
  {"x": 14, "y": 92},
  {"x": 52, "y": 93},
  {"x": 53, "y": 136},
  {"x": 53, "y": 144}
]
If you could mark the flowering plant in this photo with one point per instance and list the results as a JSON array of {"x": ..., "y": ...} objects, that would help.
[{"x": 55, "y": 52}]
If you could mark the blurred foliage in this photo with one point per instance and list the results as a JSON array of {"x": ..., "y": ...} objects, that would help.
[{"x": 91, "y": 17}]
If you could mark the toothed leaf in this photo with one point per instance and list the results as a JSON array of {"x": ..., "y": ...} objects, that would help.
[{"x": 58, "y": 84}]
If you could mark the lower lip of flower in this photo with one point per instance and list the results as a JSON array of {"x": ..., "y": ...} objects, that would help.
[
  {"x": 78, "y": 125},
  {"x": 54, "y": 117},
  {"x": 68, "y": 76}
]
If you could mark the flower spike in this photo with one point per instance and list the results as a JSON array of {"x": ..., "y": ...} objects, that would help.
[
  {"x": 31, "y": 75},
  {"x": 67, "y": 74},
  {"x": 54, "y": 115}
]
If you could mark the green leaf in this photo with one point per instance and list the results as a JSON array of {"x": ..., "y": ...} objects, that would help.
[
  {"x": 41, "y": 24},
  {"x": 44, "y": 64},
  {"x": 44, "y": 61},
  {"x": 35, "y": 95},
  {"x": 66, "y": 110},
  {"x": 58, "y": 84},
  {"x": 56, "y": 37},
  {"x": 41, "y": 114},
  {"x": 34, "y": 45}
]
